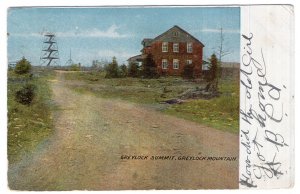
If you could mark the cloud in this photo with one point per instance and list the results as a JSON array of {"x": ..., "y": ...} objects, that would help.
[
  {"x": 111, "y": 32},
  {"x": 111, "y": 53},
  {"x": 26, "y": 34},
  {"x": 211, "y": 30}
]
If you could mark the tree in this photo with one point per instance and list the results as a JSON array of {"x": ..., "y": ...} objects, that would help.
[
  {"x": 149, "y": 67},
  {"x": 112, "y": 69},
  {"x": 213, "y": 68},
  {"x": 188, "y": 71},
  {"x": 213, "y": 73},
  {"x": 98, "y": 65},
  {"x": 23, "y": 66},
  {"x": 221, "y": 50},
  {"x": 123, "y": 71},
  {"x": 133, "y": 70}
]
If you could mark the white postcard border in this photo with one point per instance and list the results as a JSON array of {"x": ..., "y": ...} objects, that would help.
[{"x": 267, "y": 97}]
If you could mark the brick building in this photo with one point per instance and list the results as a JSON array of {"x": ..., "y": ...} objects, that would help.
[{"x": 171, "y": 51}]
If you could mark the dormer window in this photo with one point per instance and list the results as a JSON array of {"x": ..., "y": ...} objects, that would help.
[{"x": 165, "y": 47}]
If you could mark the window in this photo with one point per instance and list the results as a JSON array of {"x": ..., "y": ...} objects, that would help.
[
  {"x": 164, "y": 47},
  {"x": 189, "y": 62},
  {"x": 175, "y": 34},
  {"x": 175, "y": 47},
  {"x": 164, "y": 63},
  {"x": 175, "y": 64},
  {"x": 189, "y": 47}
]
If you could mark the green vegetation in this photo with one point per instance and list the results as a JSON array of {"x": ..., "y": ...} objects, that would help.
[
  {"x": 75, "y": 67},
  {"x": 221, "y": 112},
  {"x": 149, "y": 67},
  {"x": 213, "y": 75},
  {"x": 143, "y": 91},
  {"x": 112, "y": 69},
  {"x": 123, "y": 71},
  {"x": 26, "y": 94},
  {"x": 133, "y": 70},
  {"x": 22, "y": 67},
  {"x": 29, "y": 124},
  {"x": 213, "y": 72}
]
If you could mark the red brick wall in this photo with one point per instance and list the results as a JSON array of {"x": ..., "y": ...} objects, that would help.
[{"x": 182, "y": 56}]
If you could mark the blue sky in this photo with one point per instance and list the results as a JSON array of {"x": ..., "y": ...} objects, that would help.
[{"x": 101, "y": 33}]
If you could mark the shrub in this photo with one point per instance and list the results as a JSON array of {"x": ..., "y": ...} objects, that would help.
[
  {"x": 149, "y": 67},
  {"x": 74, "y": 67},
  {"x": 123, "y": 71},
  {"x": 26, "y": 94},
  {"x": 23, "y": 66},
  {"x": 112, "y": 69},
  {"x": 133, "y": 70}
]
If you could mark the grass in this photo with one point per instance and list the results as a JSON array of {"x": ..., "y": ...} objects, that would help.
[
  {"x": 28, "y": 125},
  {"x": 142, "y": 91},
  {"x": 220, "y": 113}
]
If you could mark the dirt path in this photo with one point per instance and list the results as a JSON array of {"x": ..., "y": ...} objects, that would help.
[{"x": 91, "y": 135}]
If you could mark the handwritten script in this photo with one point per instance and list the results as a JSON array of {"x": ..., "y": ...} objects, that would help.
[{"x": 263, "y": 108}]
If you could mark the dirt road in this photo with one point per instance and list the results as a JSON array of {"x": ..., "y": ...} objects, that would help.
[{"x": 92, "y": 134}]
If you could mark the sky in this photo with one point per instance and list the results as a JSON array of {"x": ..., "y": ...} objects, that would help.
[{"x": 100, "y": 33}]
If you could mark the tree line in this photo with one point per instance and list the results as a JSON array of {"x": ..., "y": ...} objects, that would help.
[{"x": 148, "y": 69}]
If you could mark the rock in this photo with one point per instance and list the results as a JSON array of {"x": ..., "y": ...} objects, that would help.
[
  {"x": 195, "y": 94},
  {"x": 173, "y": 101}
]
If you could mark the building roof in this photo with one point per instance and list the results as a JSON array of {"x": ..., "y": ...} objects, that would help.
[
  {"x": 183, "y": 36},
  {"x": 147, "y": 41},
  {"x": 136, "y": 58}
]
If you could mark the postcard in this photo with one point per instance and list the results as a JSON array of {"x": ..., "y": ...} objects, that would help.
[{"x": 150, "y": 97}]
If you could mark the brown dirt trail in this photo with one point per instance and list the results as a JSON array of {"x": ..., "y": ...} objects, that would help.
[{"x": 91, "y": 135}]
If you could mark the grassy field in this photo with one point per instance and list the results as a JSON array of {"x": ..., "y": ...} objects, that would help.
[
  {"x": 144, "y": 91},
  {"x": 221, "y": 113},
  {"x": 28, "y": 125}
]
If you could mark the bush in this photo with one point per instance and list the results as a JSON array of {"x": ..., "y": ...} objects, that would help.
[
  {"x": 123, "y": 71},
  {"x": 74, "y": 67},
  {"x": 23, "y": 66},
  {"x": 149, "y": 67},
  {"x": 26, "y": 94},
  {"x": 112, "y": 69},
  {"x": 133, "y": 70}
]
